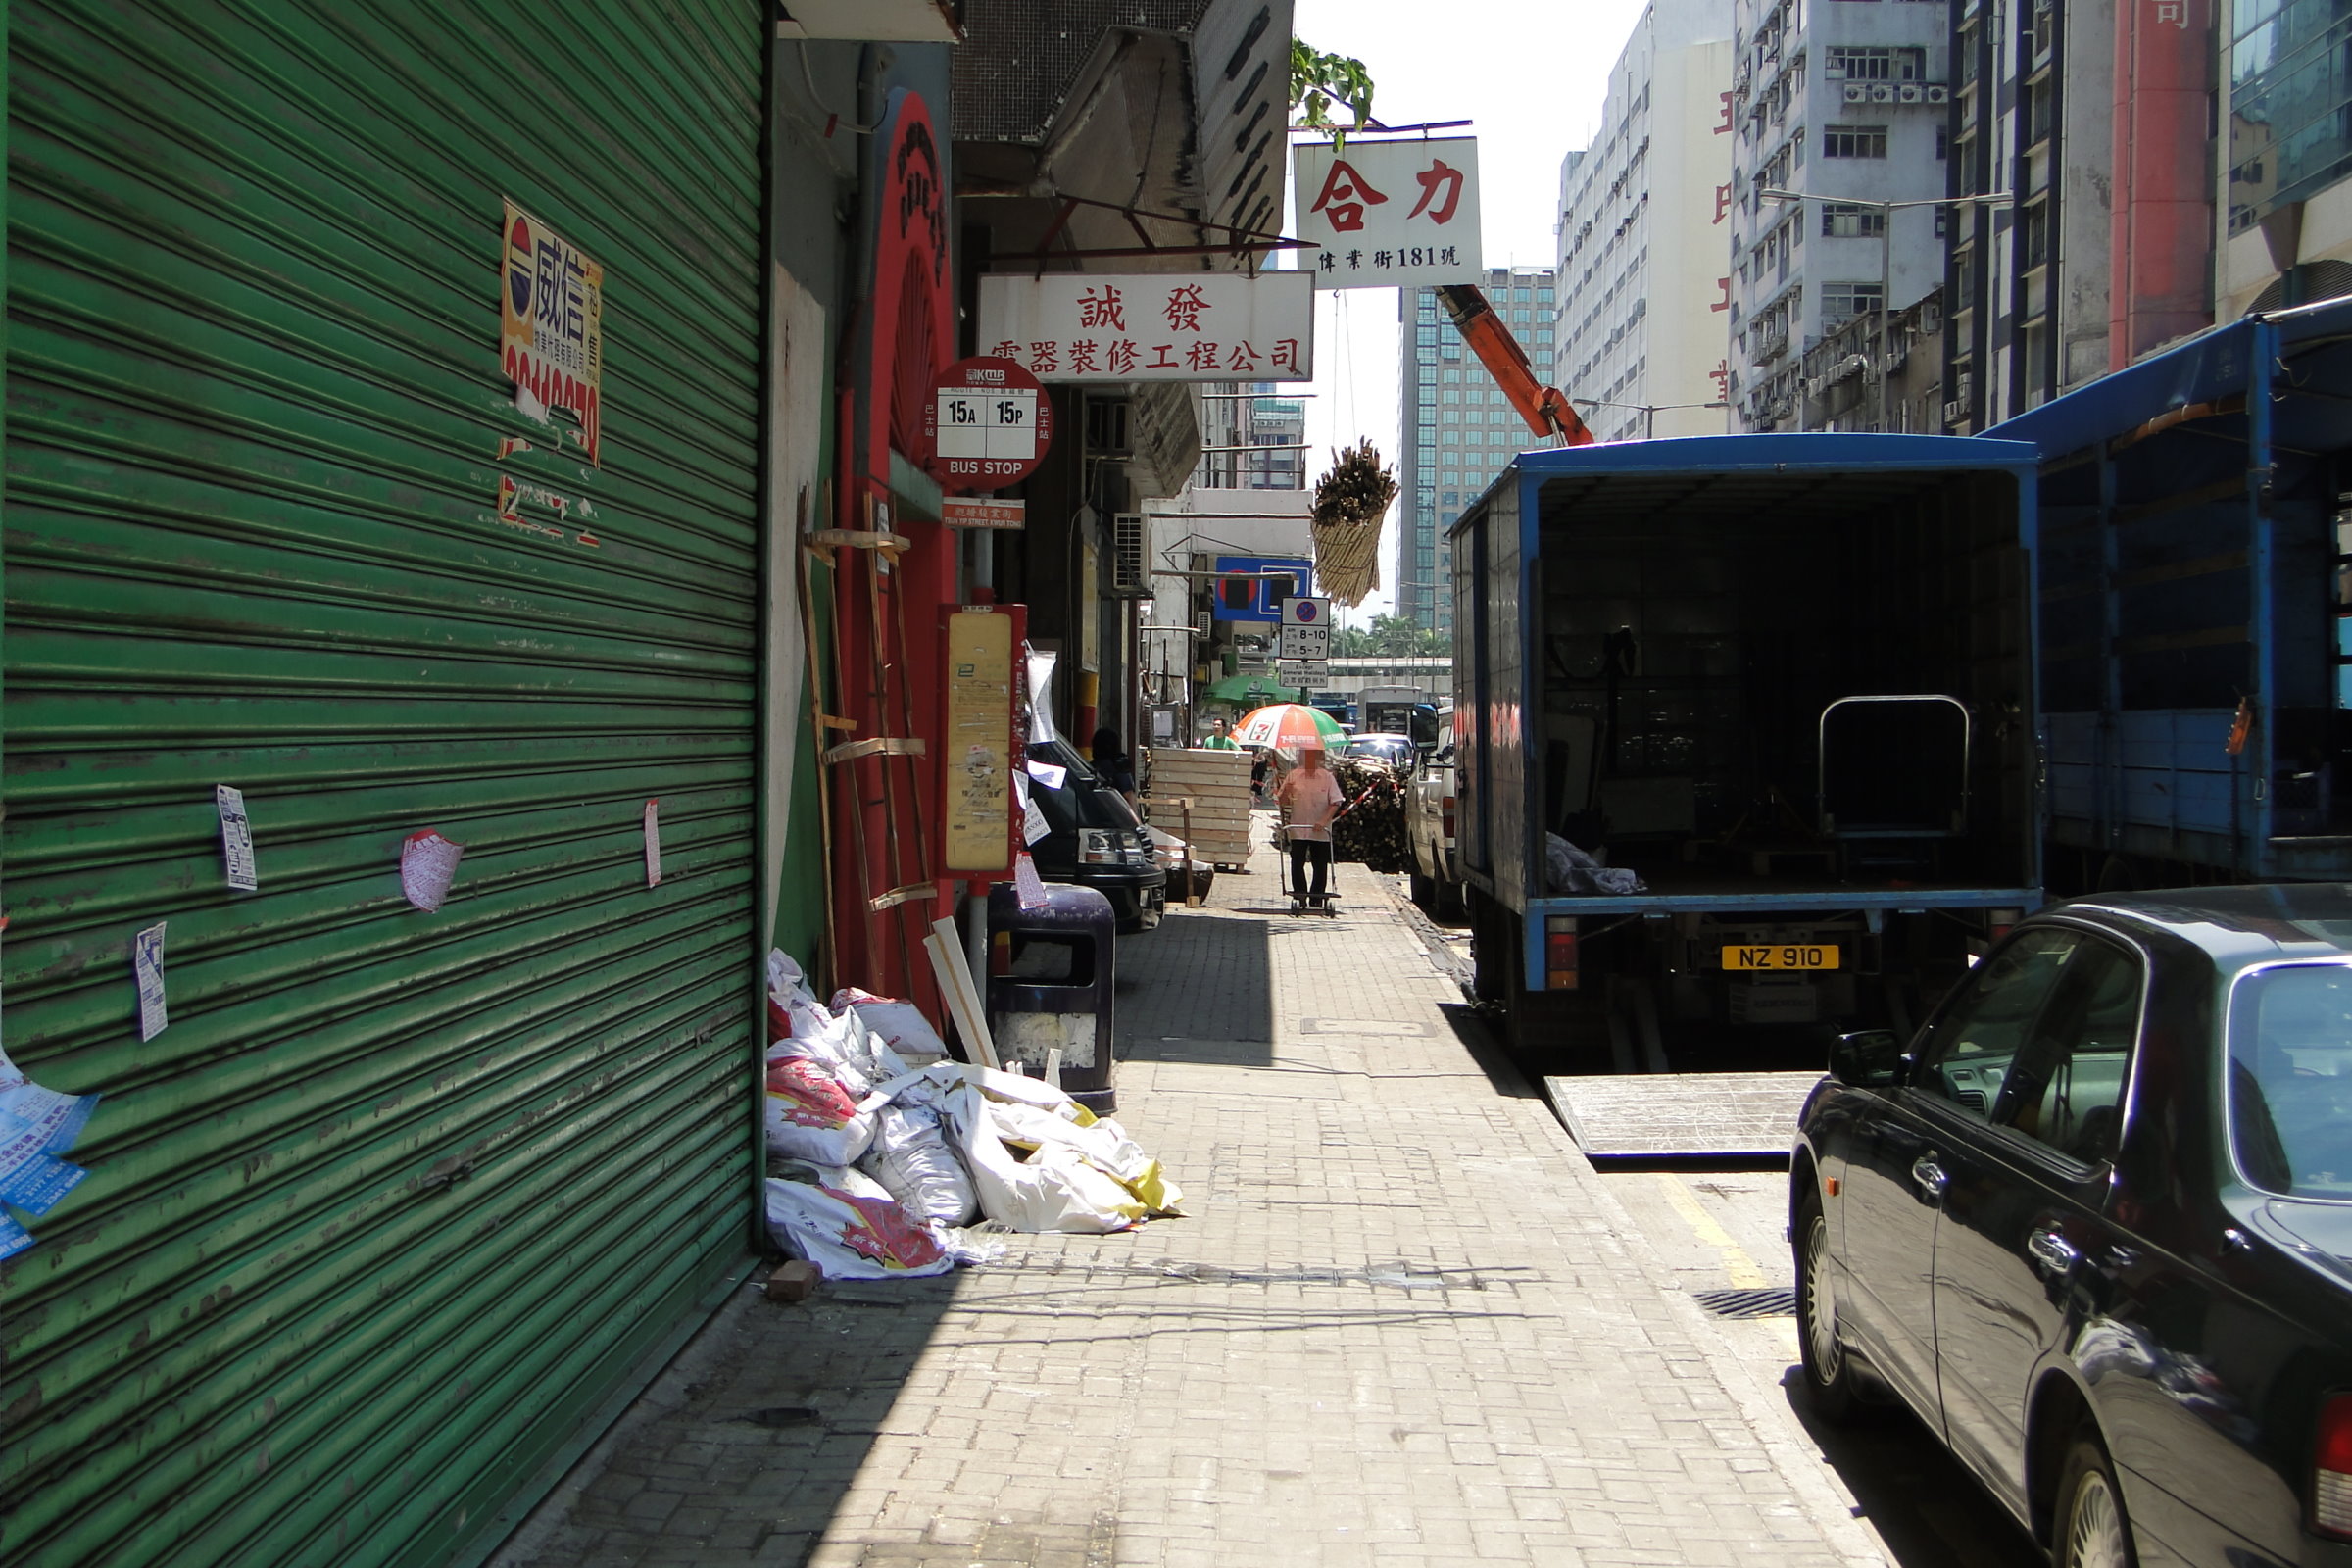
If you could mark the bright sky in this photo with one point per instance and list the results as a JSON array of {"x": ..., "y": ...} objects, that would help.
[{"x": 1531, "y": 78}]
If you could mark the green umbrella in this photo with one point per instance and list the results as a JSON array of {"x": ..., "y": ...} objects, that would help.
[{"x": 1254, "y": 691}]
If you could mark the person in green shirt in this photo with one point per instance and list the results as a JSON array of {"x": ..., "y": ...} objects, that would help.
[{"x": 1218, "y": 740}]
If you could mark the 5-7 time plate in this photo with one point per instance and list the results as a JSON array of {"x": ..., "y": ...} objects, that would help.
[{"x": 1808, "y": 956}]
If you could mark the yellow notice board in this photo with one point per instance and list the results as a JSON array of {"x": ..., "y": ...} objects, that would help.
[{"x": 976, "y": 763}]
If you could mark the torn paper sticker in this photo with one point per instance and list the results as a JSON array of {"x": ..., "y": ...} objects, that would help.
[
  {"x": 31, "y": 1177},
  {"x": 59, "y": 1115},
  {"x": 1027, "y": 885},
  {"x": 1047, "y": 774},
  {"x": 428, "y": 864},
  {"x": 147, "y": 964},
  {"x": 1034, "y": 825},
  {"x": 236, "y": 839},
  {"x": 653, "y": 843}
]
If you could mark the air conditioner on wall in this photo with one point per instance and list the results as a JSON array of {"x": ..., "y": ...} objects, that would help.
[
  {"x": 1907, "y": 93},
  {"x": 1129, "y": 577},
  {"x": 1939, "y": 95},
  {"x": 1955, "y": 411},
  {"x": 1882, "y": 94},
  {"x": 1856, "y": 93}
]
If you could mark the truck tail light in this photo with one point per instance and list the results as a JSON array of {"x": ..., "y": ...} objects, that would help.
[
  {"x": 1560, "y": 953},
  {"x": 2332, "y": 1469},
  {"x": 1446, "y": 814}
]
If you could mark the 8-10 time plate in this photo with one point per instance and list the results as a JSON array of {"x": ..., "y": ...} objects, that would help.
[{"x": 1798, "y": 957}]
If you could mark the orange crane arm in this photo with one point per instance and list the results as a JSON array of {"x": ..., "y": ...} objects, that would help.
[{"x": 1544, "y": 408}]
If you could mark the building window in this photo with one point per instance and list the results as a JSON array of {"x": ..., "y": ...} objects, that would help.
[
  {"x": 1426, "y": 335},
  {"x": 1850, "y": 220},
  {"x": 1860, "y": 64},
  {"x": 1453, "y": 378},
  {"x": 1842, "y": 302},
  {"x": 1853, "y": 141}
]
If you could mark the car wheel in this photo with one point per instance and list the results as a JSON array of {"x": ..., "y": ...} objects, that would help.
[
  {"x": 2092, "y": 1532},
  {"x": 1425, "y": 892},
  {"x": 1829, "y": 1372}
]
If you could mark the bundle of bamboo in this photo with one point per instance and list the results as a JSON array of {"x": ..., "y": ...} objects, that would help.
[{"x": 1352, "y": 499}]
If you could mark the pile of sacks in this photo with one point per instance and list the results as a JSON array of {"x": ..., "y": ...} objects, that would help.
[{"x": 883, "y": 1154}]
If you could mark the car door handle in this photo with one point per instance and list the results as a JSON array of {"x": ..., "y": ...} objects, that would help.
[
  {"x": 1931, "y": 1178},
  {"x": 2053, "y": 1255}
]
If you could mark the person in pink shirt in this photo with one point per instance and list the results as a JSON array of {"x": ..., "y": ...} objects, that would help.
[{"x": 1312, "y": 797}]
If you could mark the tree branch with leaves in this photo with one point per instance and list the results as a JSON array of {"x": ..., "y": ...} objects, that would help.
[{"x": 1320, "y": 80}]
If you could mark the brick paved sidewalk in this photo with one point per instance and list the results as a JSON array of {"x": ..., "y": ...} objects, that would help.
[{"x": 1404, "y": 1323}]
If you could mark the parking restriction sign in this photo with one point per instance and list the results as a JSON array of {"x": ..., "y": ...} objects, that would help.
[{"x": 1305, "y": 629}]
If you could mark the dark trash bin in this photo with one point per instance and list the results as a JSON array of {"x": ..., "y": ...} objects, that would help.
[{"x": 1050, "y": 972}]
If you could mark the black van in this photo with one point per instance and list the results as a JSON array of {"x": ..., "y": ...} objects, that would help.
[{"x": 1096, "y": 841}]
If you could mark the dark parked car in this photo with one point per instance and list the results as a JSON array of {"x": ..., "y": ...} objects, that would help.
[
  {"x": 1395, "y": 750},
  {"x": 2094, "y": 1225},
  {"x": 1095, "y": 839}
]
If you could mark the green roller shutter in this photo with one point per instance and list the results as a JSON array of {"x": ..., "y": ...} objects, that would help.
[{"x": 397, "y": 1198}]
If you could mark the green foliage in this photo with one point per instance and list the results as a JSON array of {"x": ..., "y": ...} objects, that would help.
[
  {"x": 1318, "y": 80},
  {"x": 1403, "y": 634}
]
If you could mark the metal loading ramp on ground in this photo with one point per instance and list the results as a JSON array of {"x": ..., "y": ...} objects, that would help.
[{"x": 1680, "y": 1114}]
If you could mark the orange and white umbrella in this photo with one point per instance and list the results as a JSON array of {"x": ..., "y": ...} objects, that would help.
[{"x": 1290, "y": 727}]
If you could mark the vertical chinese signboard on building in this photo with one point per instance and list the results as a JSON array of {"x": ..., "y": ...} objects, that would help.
[
  {"x": 551, "y": 330},
  {"x": 1181, "y": 326},
  {"x": 1383, "y": 214}
]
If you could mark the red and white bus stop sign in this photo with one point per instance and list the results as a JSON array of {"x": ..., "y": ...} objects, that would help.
[{"x": 990, "y": 424}]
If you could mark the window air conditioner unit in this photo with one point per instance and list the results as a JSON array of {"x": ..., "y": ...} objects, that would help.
[
  {"x": 1129, "y": 577},
  {"x": 1939, "y": 95},
  {"x": 1964, "y": 385},
  {"x": 1955, "y": 411},
  {"x": 1882, "y": 94},
  {"x": 1907, "y": 93},
  {"x": 1857, "y": 92}
]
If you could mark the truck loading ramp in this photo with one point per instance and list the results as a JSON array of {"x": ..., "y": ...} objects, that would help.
[{"x": 1680, "y": 1115}]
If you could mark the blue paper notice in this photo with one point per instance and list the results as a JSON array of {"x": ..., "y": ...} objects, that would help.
[
  {"x": 14, "y": 1238},
  {"x": 31, "y": 1177}
]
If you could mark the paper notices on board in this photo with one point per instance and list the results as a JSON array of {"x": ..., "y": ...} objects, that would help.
[
  {"x": 550, "y": 334},
  {"x": 147, "y": 965},
  {"x": 429, "y": 865},
  {"x": 236, "y": 839},
  {"x": 653, "y": 843}
]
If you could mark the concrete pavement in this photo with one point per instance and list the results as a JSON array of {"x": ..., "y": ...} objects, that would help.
[{"x": 1404, "y": 1321}]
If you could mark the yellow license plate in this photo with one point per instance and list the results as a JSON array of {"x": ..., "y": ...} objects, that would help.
[{"x": 1815, "y": 956}]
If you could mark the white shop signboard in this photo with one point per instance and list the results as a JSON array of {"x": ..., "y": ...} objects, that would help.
[
  {"x": 1157, "y": 326},
  {"x": 1379, "y": 214}
]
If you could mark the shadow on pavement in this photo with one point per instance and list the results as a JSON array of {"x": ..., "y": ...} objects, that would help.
[
  {"x": 1487, "y": 1050},
  {"x": 741, "y": 1454},
  {"x": 1199, "y": 989},
  {"x": 1925, "y": 1505}
]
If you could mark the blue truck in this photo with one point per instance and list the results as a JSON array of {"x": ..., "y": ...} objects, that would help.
[
  {"x": 1784, "y": 686},
  {"x": 2195, "y": 577},
  {"x": 1845, "y": 705}
]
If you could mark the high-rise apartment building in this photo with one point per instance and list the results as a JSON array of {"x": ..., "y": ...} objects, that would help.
[
  {"x": 1252, "y": 437},
  {"x": 2286, "y": 186},
  {"x": 1844, "y": 105},
  {"x": 2026, "y": 297},
  {"x": 1455, "y": 428},
  {"x": 1643, "y": 337}
]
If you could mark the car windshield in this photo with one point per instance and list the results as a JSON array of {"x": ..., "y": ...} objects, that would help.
[{"x": 2290, "y": 1079}]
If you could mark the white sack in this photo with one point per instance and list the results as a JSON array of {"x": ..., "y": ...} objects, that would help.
[
  {"x": 900, "y": 1025},
  {"x": 853, "y": 1238},
  {"x": 1054, "y": 1189},
  {"x": 810, "y": 1115},
  {"x": 910, "y": 1157}
]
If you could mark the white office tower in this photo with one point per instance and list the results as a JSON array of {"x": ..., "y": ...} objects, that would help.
[
  {"x": 1847, "y": 104},
  {"x": 1644, "y": 331}
]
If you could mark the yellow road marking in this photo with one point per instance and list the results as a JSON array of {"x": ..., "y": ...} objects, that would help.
[{"x": 1740, "y": 1269}]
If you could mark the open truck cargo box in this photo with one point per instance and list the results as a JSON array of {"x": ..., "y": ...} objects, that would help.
[
  {"x": 2193, "y": 609},
  {"x": 1649, "y": 635}
]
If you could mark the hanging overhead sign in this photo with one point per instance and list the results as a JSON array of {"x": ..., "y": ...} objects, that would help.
[
  {"x": 1158, "y": 327},
  {"x": 989, "y": 424},
  {"x": 1253, "y": 587},
  {"x": 1389, "y": 213}
]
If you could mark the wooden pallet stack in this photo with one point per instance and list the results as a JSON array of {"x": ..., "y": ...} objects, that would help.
[{"x": 1202, "y": 797}]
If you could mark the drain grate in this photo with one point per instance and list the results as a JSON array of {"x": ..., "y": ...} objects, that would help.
[{"x": 1772, "y": 1302}]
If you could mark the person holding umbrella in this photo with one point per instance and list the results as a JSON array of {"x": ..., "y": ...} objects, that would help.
[{"x": 1314, "y": 801}]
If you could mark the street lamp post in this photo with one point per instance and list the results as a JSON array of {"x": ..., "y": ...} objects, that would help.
[
  {"x": 1886, "y": 211},
  {"x": 1647, "y": 411}
]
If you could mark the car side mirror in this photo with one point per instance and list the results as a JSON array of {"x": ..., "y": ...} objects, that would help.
[
  {"x": 1869, "y": 1058},
  {"x": 1444, "y": 754}
]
